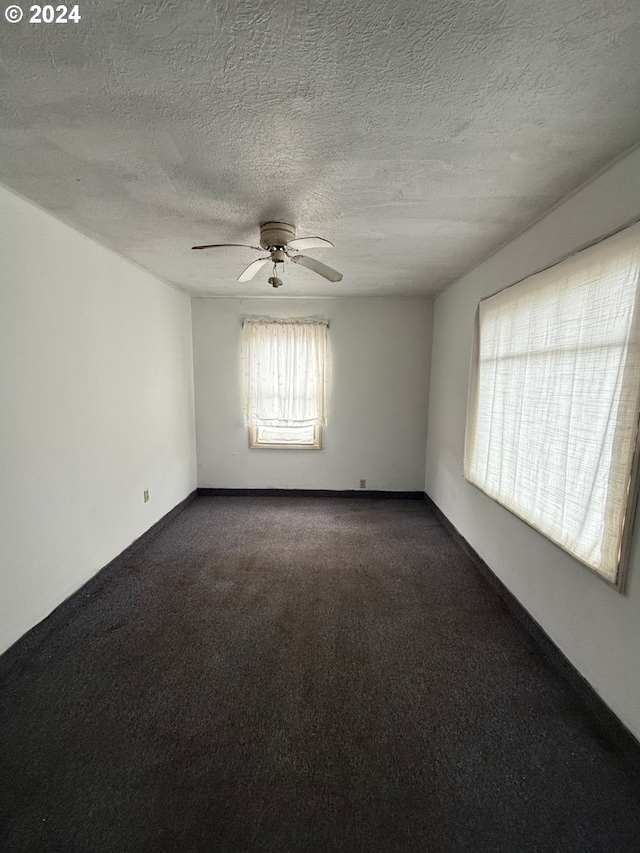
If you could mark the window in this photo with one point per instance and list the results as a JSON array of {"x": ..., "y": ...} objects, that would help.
[
  {"x": 553, "y": 403},
  {"x": 285, "y": 378}
]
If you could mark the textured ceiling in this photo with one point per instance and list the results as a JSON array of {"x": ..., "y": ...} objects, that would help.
[{"x": 417, "y": 136}]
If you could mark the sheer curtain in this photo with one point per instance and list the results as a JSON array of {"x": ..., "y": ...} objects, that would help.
[
  {"x": 554, "y": 395},
  {"x": 285, "y": 366}
]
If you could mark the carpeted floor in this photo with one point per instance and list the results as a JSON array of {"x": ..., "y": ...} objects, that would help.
[{"x": 300, "y": 675}]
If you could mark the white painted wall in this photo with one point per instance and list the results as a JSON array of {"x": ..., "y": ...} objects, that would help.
[
  {"x": 96, "y": 388},
  {"x": 378, "y": 407},
  {"x": 597, "y": 628}
]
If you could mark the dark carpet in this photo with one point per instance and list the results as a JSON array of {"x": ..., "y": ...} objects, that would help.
[{"x": 303, "y": 675}]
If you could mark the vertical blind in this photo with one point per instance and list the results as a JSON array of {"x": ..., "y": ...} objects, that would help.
[
  {"x": 553, "y": 399},
  {"x": 285, "y": 365}
]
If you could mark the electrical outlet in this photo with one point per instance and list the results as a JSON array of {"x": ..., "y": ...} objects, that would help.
[
  {"x": 145, "y": 495},
  {"x": 363, "y": 484}
]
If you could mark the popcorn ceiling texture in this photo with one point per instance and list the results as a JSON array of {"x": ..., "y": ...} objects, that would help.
[{"x": 417, "y": 136}]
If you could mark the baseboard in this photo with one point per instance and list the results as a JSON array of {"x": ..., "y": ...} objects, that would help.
[
  {"x": 34, "y": 636},
  {"x": 623, "y": 739},
  {"x": 309, "y": 493}
]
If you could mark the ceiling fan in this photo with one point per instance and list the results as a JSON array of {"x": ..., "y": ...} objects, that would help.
[{"x": 280, "y": 241}]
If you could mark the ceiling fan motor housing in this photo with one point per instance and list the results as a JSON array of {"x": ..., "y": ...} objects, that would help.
[{"x": 276, "y": 234}]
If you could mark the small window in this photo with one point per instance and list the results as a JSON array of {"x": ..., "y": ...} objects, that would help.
[
  {"x": 285, "y": 376},
  {"x": 553, "y": 407}
]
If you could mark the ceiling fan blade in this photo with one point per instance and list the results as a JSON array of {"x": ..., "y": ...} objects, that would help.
[
  {"x": 253, "y": 268},
  {"x": 316, "y": 266},
  {"x": 224, "y": 246},
  {"x": 309, "y": 243}
]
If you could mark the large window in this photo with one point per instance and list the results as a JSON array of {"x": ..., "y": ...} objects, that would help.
[
  {"x": 553, "y": 405},
  {"x": 285, "y": 377}
]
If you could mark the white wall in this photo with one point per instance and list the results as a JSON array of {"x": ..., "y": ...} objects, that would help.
[
  {"x": 597, "y": 628},
  {"x": 378, "y": 408},
  {"x": 96, "y": 388}
]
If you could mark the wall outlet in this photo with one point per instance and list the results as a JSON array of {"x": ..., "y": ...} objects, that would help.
[
  {"x": 363, "y": 484},
  {"x": 145, "y": 495}
]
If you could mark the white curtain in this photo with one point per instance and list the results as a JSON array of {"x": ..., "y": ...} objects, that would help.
[
  {"x": 554, "y": 395},
  {"x": 285, "y": 365}
]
